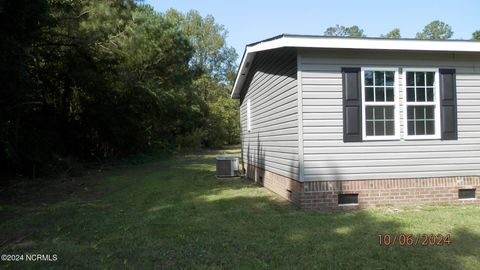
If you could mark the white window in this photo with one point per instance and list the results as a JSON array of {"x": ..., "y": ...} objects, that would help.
[
  {"x": 249, "y": 121},
  {"x": 421, "y": 110},
  {"x": 380, "y": 116}
]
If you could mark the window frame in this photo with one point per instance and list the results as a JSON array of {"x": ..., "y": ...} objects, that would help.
[
  {"x": 396, "y": 104},
  {"x": 436, "y": 102}
]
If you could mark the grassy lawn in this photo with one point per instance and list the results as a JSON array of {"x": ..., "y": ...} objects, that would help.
[{"x": 174, "y": 213}]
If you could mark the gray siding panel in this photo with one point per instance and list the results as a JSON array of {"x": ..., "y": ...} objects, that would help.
[
  {"x": 271, "y": 87},
  {"x": 327, "y": 157}
]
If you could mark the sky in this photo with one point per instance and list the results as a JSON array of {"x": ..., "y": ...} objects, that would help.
[{"x": 248, "y": 21}]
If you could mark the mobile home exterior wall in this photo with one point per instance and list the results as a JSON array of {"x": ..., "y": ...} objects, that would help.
[{"x": 271, "y": 142}]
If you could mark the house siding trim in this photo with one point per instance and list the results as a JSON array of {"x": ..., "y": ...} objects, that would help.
[{"x": 301, "y": 170}]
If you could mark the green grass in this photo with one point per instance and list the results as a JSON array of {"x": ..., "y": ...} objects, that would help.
[{"x": 174, "y": 214}]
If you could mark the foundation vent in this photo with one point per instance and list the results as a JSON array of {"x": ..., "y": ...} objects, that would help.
[
  {"x": 466, "y": 194},
  {"x": 347, "y": 199}
]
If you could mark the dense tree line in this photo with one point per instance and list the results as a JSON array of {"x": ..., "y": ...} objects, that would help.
[
  {"x": 437, "y": 30},
  {"x": 89, "y": 80}
]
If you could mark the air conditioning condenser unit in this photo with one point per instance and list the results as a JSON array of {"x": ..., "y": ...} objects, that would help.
[{"x": 227, "y": 167}]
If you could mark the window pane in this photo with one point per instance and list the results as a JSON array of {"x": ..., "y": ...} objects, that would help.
[
  {"x": 430, "y": 78},
  {"x": 369, "y": 93},
  {"x": 390, "y": 94},
  {"x": 421, "y": 120},
  {"x": 379, "y": 80},
  {"x": 390, "y": 78},
  {"x": 430, "y": 127},
  {"x": 430, "y": 94},
  {"x": 379, "y": 128},
  {"x": 420, "y": 78},
  {"x": 379, "y": 94},
  {"x": 369, "y": 78},
  {"x": 430, "y": 112},
  {"x": 419, "y": 112},
  {"x": 410, "y": 79},
  {"x": 420, "y": 94},
  {"x": 411, "y": 127},
  {"x": 420, "y": 128},
  {"x": 389, "y": 112},
  {"x": 410, "y": 94},
  {"x": 410, "y": 113},
  {"x": 369, "y": 112},
  {"x": 369, "y": 128},
  {"x": 379, "y": 112},
  {"x": 390, "y": 128},
  {"x": 380, "y": 120}
]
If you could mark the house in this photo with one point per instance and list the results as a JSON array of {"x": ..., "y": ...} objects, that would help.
[{"x": 331, "y": 122}]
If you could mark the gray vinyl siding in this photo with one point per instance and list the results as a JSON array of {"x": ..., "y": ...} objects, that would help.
[
  {"x": 327, "y": 157},
  {"x": 271, "y": 87}
]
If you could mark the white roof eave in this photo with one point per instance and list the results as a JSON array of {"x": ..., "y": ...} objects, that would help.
[{"x": 348, "y": 43}]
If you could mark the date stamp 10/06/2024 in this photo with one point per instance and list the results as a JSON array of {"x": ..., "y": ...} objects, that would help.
[{"x": 421, "y": 239}]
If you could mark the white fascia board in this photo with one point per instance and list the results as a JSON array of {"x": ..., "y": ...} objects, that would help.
[
  {"x": 369, "y": 44},
  {"x": 350, "y": 43},
  {"x": 242, "y": 73}
]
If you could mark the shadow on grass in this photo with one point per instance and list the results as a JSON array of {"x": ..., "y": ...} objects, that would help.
[
  {"x": 237, "y": 223},
  {"x": 181, "y": 216}
]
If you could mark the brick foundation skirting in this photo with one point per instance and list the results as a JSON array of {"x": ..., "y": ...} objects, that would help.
[{"x": 371, "y": 193}]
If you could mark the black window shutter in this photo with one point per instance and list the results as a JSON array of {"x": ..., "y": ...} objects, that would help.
[
  {"x": 448, "y": 104},
  {"x": 352, "y": 105}
]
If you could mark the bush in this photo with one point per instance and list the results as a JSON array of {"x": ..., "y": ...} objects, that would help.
[{"x": 190, "y": 141}]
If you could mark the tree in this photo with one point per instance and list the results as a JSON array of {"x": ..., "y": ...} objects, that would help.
[
  {"x": 212, "y": 54},
  {"x": 435, "y": 30},
  {"x": 395, "y": 33},
  {"x": 89, "y": 80},
  {"x": 95, "y": 79},
  {"x": 21, "y": 23},
  {"x": 214, "y": 62},
  {"x": 476, "y": 35},
  {"x": 342, "y": 31}
]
